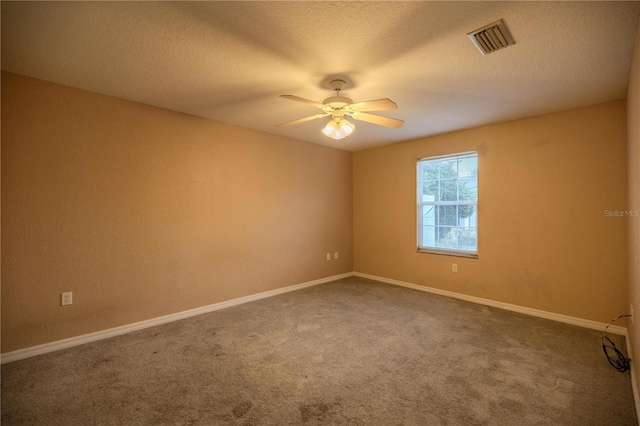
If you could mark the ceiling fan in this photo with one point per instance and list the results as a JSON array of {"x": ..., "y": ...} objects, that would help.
[{"x": 340, "y": 106}]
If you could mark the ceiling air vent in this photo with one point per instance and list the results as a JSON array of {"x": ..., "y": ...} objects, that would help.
[{"x": 491, "y": 37}]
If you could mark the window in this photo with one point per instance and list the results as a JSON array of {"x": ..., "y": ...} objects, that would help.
[{"x": 448, "y": 204}]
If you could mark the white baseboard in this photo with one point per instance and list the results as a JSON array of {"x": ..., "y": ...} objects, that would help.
[
  {"x": 594, "y": 325},
  {"x": 117, "y": 331}
]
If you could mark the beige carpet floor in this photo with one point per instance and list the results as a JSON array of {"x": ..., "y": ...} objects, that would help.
[{"x": 350, "y": 352}]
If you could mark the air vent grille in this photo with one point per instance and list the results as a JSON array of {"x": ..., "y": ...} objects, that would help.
[{"x": 491, "y": 37}]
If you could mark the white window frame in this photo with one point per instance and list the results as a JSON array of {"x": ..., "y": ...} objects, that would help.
[{"x": 421, "y": 203}]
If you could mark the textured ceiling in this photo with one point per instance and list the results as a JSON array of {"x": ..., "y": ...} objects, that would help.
[{"x": 229, "y": 61}]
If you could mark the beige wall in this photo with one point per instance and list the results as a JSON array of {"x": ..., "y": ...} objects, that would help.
[
  {"x": 633, "y": 155},
  {"x": 544, "y": 240},
  {"x": 143, "y": 212}
]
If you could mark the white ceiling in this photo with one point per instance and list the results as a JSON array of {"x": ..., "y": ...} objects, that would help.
[{"x": 229, "y": 61}]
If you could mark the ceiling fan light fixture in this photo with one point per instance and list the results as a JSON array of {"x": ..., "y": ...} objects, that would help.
[{"x": 338, "y": 128}]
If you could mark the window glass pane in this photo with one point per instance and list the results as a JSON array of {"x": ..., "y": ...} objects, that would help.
[
  {"x": 429, "y": 175},
  {"x": 430, "y": 190},
  {"x": 468, "y": 167},
  {"x": 446, "y": 239},
  {"x": 466, "y": 238},
  {"x": 466, "y": 215},
  {"x": 446, "y": 215},
  {"x": 448, "y": 190},
  {"x": 467, "y": 190},
  {"x": 448, "y": 168},
  {"x": 428, "y": 215},
  {"x": 428, "y": 236},
  {"x": 470, "y": 221}
]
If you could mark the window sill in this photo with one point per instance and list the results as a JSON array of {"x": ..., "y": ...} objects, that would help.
[{"x": 448, "y": 252}]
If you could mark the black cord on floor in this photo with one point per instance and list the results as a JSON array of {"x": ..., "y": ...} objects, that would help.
[{"x": 614, "y": 356}]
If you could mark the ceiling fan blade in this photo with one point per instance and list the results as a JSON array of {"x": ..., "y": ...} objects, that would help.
[
  {"x": 302, "y": 120},
  {"x": 378, "y": 119},
  {"x": 375, "y": 105},
  {"x": 303, "y": 100}
]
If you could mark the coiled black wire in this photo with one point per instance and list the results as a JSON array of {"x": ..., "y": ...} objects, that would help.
[{"x": 613, "y": 354}]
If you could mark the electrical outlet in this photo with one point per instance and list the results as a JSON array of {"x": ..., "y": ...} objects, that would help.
[
  {"x": 328, "y": 256},
  {"x": 454, "y": 267},
  {"x": 335, "y": 255},
  {"x": 66, "y": 298}
]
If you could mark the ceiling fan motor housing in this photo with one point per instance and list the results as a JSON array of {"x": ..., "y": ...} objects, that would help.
[
  {"x": 338, "y": 84},
  {"x": 337, "y": 101}
]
